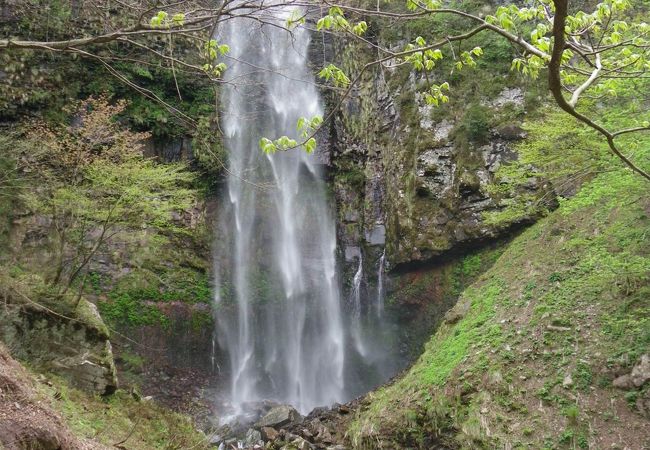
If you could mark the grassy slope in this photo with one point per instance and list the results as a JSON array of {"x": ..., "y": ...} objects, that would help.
[
  {"x": 123, "y": 420},
  {"x": 540, "y": 338}
]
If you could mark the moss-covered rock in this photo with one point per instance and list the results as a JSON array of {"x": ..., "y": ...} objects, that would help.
[{"x": 74, "y": 345}]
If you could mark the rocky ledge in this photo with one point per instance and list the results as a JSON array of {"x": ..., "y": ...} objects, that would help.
[{"x": 76, "y": 348}]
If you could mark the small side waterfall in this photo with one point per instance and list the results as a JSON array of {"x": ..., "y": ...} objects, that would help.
[
  {"x": 380, "y": 285},
  {"x": 356, "y": 310},
  {"x": 277, "y": 296}
]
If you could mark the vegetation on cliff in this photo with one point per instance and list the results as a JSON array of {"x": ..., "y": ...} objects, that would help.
[{"x": 89, "y": 216}]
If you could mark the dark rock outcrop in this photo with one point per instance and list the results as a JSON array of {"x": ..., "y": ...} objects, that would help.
[
  {"x": 279, "y": 416},
  {"x": 77, "y": 348}
]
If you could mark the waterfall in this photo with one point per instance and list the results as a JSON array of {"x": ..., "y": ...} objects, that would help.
[{"x": 277, "y": 294}]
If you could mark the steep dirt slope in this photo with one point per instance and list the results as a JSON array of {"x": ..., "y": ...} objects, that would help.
[{"x": 27, "y": 421}]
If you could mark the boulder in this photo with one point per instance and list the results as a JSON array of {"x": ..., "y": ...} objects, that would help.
[
  {"x": 77, "y": 348},
  {"x": 623, "y": 382},
  {"x": 269, "y": 433},
  {"x": 641, "y": 372},
  {"x": 637, "y": 378},
  {"x": 324, "y": 435},
  {"x": 344, "y": 409},
  {"x": 279, "y": 416},
  {"x": 252, "y": 437},
  {"x": 297, "y": 443}
]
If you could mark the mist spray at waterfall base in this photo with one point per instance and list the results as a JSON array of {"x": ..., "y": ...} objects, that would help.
[{"x": 280, "y": 314}]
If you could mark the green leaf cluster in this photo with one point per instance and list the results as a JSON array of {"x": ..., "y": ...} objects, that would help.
[
  {"x": 335, "y": 20},
  {"x": 335, "y": 74},
  {"x": 162, "y": 20}
]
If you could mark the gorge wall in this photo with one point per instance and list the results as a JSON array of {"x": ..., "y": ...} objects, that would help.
[{"x": 418, "y": 179}]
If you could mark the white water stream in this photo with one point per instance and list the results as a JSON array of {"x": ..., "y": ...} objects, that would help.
[{"x": 277, "y": 295}]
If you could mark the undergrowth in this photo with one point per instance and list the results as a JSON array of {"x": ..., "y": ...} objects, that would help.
[{"x": 122, "y": 419}]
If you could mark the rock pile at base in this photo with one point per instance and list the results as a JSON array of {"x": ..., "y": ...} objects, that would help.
[{"x": 281, "y": 427}]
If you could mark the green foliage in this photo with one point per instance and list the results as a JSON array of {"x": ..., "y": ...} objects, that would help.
[
  {"x": 201, "y": 320},
  {"x": 135, "y": 299},
  {"x": 131, "y": 309},
  {"x": 424, "y": 59},
  {"x": 435, "y": 95},
  {"x": 208, "y": 148},
  {"x": 435, "y": 367},
  {"x": 352, "y": 177},
  {"x": 566, "y": 156},
  {"x": 336, "y": 75},
  {"x": 335, "y": 20},
  {"x": 9, "y": 185},
  {"x": 137, "y": 190},
  {"x": 306, "y": 129},
  {"x": 132, "y": 361},
  {"x": 471, "y": 265},
  {"x": 162, "y": 20},
  {"x": 145, "y": 114},
  {"x": 583, "y": 376},
  {"x": 94, "y": 186},
  {"x": 47, "y": 85},
  {"x": 211, "y": 51},
  {"x": 475, "y": 124}
]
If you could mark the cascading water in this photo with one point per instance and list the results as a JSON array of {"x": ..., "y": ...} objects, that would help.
[
  {"x": 356, "y": 309},
  {"x": 277, "y": 296},
  {"x": 380, "y": 284}
]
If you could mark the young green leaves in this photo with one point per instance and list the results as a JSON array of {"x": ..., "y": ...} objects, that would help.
[
  {"x": 162, "y": 20},
  {"x": 467, "y": 58},
  {"x": 436, "y": 94},
  {"x": 425, "y": 59},
  {"x": 305, "y": 127},
  {"x": 211, "y": 51},
  {"x": 336, "y": 75},
  {"x": 295, "y": 19},
  {"x": 413, "y": 5},
  {"x": 360, "y": 28},
  {"x": 335, "y": 20}
]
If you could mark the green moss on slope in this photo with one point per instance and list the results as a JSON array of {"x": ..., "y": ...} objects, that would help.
[
  {"x": 527, "y": 357},
  {"x": 122, "y": 420}
]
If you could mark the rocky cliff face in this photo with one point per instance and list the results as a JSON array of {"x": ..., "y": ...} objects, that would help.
[{"x": 408, "y": 178}]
